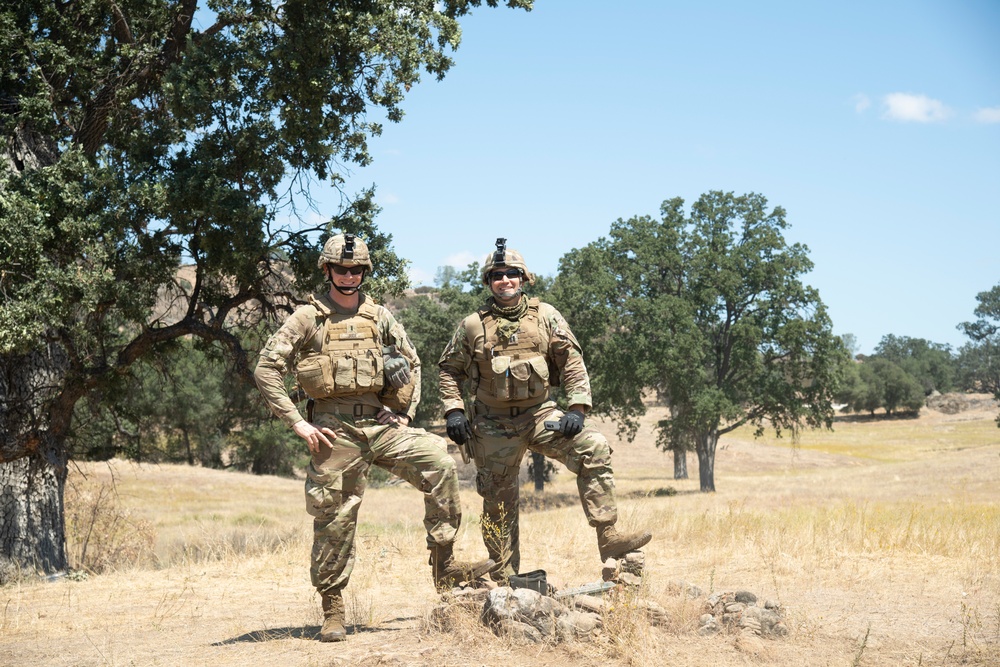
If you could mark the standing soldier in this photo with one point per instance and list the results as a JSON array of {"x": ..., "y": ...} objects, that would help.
[
  {"x": 362, "y": 375},
  {"x": 513, "y": 350}
]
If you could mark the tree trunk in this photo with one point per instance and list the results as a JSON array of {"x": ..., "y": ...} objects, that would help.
[
  {"x": 706, "y": 459},
  {"x": 187, "y": 446},
  {"x": 680, "y": 464},
  {"x": 34, "y": 417},
  {"x": 32, "y": 522},
  {"x": 538, "y": 471}
]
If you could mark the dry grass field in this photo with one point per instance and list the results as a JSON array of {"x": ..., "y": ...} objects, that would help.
[{"x": 881, "y": 541}]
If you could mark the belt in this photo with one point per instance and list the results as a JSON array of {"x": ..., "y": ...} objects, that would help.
[
  {"x": 509, "y": 411},
  {"x": 357, "y": 411}
]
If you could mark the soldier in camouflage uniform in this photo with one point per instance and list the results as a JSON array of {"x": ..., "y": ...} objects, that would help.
[
  {"x": 362, "y": 375},
  {"x": 513, "y": 350}
]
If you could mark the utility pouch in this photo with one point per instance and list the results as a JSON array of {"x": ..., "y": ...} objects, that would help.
[{"x": 315, "y": 376}]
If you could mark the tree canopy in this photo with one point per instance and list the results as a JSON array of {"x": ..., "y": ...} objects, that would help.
[
  {"x": 979, "y": 361},
  {"x": 708, "y": 311},
  {"x": 930, "y": 364},
  {"x": 135, "y": 140}
]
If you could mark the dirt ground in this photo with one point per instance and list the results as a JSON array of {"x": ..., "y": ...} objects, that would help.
[{"x": 802, "y": 524}]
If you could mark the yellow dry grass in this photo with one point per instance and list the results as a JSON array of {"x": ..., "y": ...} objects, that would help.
[{"x": 881, "y": 540}]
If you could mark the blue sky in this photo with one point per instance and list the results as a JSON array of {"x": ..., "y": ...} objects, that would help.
[{"x": 876, "y": 125}]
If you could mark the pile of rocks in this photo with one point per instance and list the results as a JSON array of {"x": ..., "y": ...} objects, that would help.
[
  {"x": 527, "y": 616},
  {"x": 572, "y": 614},
  {"x": 739, "y": 610},
  {"x": 626, "y": 571},
  {"x": 578, "y": 614}
]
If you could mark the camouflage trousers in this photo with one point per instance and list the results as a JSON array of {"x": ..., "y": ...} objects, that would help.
[
  {"x": 499, "y": 445},
  {"x": 336, "y": 479}
]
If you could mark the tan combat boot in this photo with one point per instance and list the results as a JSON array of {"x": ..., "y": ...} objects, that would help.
[
  {"x": 449, "y": 572},
  {"x": 333, "y": 629},
  {"x": 612, "y": 544}
]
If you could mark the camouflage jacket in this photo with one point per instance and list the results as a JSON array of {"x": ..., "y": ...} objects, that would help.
[
  {"x": 464, "y": 356},
  {"x": 297, "y": 340}
]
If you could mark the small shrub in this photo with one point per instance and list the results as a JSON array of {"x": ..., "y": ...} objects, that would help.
[{"x": 101, "y": 534}]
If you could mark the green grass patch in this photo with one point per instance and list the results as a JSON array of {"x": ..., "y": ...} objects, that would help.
[{"x": 888, "y": 441}]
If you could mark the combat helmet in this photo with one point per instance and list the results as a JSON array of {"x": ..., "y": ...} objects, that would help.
[
  {"x": 345, "y": 250},
  {"x": 505, "y": 257}
]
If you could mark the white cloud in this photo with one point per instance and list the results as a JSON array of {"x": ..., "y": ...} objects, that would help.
[
  {"x": 419, "y": 277},
  {"x": 861, "y": 102},
  {"x": 460, "y": 260},
  {"x": 914, "y": 108},
  {"x": 388, "y": 199},
  {"x": 987, "y": 115}
]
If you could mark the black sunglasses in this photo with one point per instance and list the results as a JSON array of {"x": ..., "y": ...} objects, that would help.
[
  {"x": 344, "y": 270},
  {"x": 509, "y": 273}
]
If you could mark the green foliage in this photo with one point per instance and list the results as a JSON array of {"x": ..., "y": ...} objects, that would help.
[
  {"x": 430, "y": 320},
  {"x": 979, "y": 360},
  {"x": 709, "y": 312},
  {"x": 187, "y": 406},
  {"x": 878, "y": 382},
  {"x": 930, "y": 364},
  {"x": 264, "y": 446},
  {"x": 136, "y": 139}
]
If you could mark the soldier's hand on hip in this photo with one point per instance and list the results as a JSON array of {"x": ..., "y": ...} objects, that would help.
[
  {"x": 397, "y": 368},
  {"x": 313, "y": 436},
  {"x": 389, "y": 417},
  {"x": 459, "y": 429},
  {"x": 571, "y": 423}
]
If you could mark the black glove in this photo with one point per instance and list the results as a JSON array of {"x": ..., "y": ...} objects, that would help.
[
  {"x": 571, "y": 423},
  {"x": 397, "y": 368},
  {"x": 459, "y": 429}
]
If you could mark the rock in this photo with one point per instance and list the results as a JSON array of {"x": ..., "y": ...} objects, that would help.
[
  {"x": 739, "y": 610},
  {"x": 610, "y": 570},
  {"x": 588, "y": 603},
  {"x": 577, "y": 625},
  {"x": 633, "y": 563},
  {"x": 656, "y": 614},
  {"x": 459, "y": 594},
  {"x": 709, "y": 626},
  {"x": 519, "y": 631},
  {"x": 523, "y": 606}
]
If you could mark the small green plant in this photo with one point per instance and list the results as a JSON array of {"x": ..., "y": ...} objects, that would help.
[{"x": 497, "y": 534}]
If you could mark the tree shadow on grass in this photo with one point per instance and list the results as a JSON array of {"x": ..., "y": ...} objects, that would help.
[
  {"x": 308, "y": 632},
  {"x": 877, "y": 417}
]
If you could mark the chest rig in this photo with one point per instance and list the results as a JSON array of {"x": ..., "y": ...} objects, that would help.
[
  {"x": 349, "y": 361},
  {"x": 511, "y": 373}
]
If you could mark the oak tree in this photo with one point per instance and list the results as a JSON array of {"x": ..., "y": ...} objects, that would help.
[
  {"x": 709, "y": 312},
  {"x": 137, "y": 135}
]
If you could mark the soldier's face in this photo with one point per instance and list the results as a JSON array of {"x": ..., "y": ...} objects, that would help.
[
  {"x": 505, "y": 285},
  {"x": 345, "y": 276}
]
